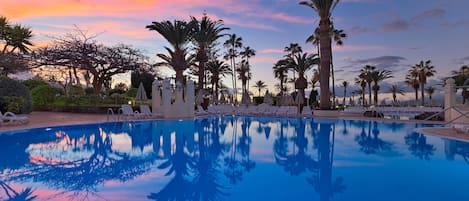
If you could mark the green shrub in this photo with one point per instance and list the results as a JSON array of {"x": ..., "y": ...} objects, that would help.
[
  {"x": 258, "y": 100},
  {"x": 116, "y": 99},
  {"x": 13, "y": 104},
  {"x": 33, "y": 83},
  {"x": 75, "y": 90},
  {"x": 89, "y": 90},
  {"x": 10, "y": 87},
  {"x": 132, "y": 92},
  {"x": 45, "y": 94},
  {"x": 115, "y": 91}
]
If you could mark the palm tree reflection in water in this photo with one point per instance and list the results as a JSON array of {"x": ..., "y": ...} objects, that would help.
[
  {"x": 298, "y": 162},
  {"x": 369, "y": 141},
  {"x": 195, "y": 174},
  {"x": 418, "y": 146}
]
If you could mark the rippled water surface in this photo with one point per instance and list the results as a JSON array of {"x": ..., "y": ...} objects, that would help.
[{"x": 233, "y": 158}]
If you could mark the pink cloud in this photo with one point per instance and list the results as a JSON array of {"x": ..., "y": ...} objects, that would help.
[
  {"x": 350, "y": 48},
  {"x": 271, "y": 50}
]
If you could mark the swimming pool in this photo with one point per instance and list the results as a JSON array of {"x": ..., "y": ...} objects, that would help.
[{"x": 233, "y": 158}]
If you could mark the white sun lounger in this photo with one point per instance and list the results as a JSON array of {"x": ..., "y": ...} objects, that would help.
[
  {"x": 11, "y": 118},
  {"x": 126, "y": 111},
  {"x": 146, "y": 112}
]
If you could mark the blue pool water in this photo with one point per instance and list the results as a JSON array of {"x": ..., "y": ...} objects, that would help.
[{"x": 233, "y": 158}]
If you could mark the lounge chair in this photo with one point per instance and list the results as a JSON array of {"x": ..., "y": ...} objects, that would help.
[
  {"x": 145, "y": 111},
  {"x": 126, "y": 111},
  {"x": 11, "y": 118}
]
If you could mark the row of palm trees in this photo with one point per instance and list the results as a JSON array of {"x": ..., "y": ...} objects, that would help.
[
  {"x": 416, "y": 77},
  {"x": 204, "y": 34}
]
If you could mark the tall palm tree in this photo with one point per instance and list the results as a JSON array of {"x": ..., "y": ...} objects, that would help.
[
  {"x": 344, "y": 85},
  {"x": 243, "y": 73},
  {"x": 376, "y": 77},
  {"x": 366, "y": 74},
  {"x": 412, "y": 80},
  {"x": 395, "y": 89},
  {"x": 246, "y": 54},
  {"x": 430, "y": 91},
  {"x": 324, "y": 9},
  {"x": 425, "y": 70},
  {"x": 233, "y": 43},
  {"x": 178, "y": 34},
  {"x": 260, "y": 85},
  {"x": 217, "y": 69},
  {"x": 280, "y": 71},
  {"x": 361, "y": 80},
  {"x": 206, "y": 33},
  {"x": 300, "y": 64},
  {"x": 337, "y": 36}
]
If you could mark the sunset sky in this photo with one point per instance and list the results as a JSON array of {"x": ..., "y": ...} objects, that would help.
[{"x": 390, "y": 34}]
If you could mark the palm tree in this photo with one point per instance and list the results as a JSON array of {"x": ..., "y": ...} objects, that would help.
[
  {"x": 376, "y": 77},
  {"x": 430, "y": 90},
  {"x": 366, "y": 75},
  {"x": 424, "y": 70},
  {"x": 314, "y": 38},
  {"x": 460, "y": 76},
  {"x": 302, "y": 63},
  {"x": 206, "y": 33},
  {"x": 337, "y": 36},
  {"x": 217, "y": 69},
  {"x": 394, "y": 89},
  {"x": 292, "y": 50},
  {"x": 280, "y": 71},
  {"x": 4, "y": 26},
  {"x": 260, "y": 85},
  {"x": 18, "y": 37},
  {"x": 324, "y": 9},
  {"x": 243, "y": 72},
  {"x": 361, "y": 80},
  {"x": 178, "y": 34},
  {"x": 412, "y": 79},
  {"x": 246, "y": 54},
  {"x": 233, "y": 43},
  {"x": 344, "y": 85}
]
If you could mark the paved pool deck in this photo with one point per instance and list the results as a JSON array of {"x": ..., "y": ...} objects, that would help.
[{"x": 44, "y": 119}]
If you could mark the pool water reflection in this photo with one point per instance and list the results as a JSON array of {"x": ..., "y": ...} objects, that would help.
[{"x": 233, "y": 158}]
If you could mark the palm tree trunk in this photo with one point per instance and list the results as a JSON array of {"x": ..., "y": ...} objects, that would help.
[
  {"x": 363, "y": 96},
  {"x": 416, "y": 97},
  {"x": 369, "y": 93},
  {"x": 333, "y": 82},
  {"x": 200, "y": 85},
  {"x": 325, "y": 61},
  {"x": 345, "y": 93},
  {"x": 422, "y": 88}
]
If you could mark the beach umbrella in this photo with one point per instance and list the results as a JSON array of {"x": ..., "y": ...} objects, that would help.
[
  {"x": 246, "y": 99},
  {"x": 300, "y": 98},
  {"x": 141, "y": 94},
  {"x": 222, "y": 99},
  {"x": 268, "y": 98}
]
